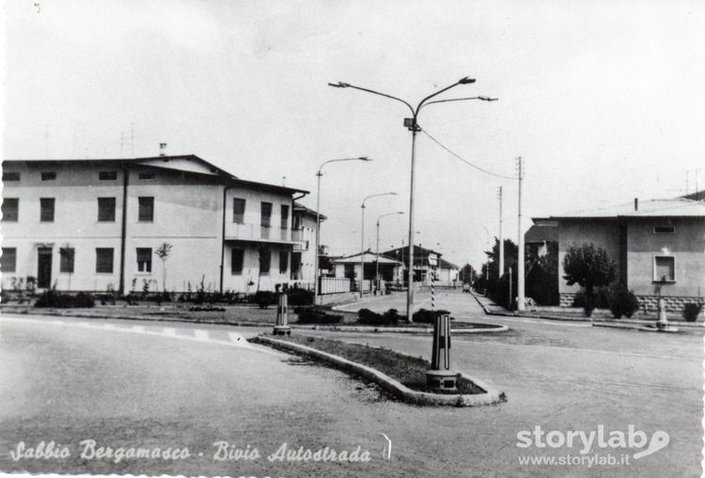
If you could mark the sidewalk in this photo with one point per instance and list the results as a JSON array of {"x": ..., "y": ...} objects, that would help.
[{"x": 599, "y": 318}]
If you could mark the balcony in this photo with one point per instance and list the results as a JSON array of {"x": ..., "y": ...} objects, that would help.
[{"x": 259, "y": 233}]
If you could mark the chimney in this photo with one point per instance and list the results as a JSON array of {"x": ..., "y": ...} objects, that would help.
[
  {"x": 162, "y": 149},
  {"x": 636, "y": 204}
]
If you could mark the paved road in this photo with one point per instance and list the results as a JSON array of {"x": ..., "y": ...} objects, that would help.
[{"x": 181, "y": 385}]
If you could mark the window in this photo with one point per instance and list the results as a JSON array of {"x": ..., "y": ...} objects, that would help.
[
  {"x": 237, "y": 261},
  {"x": 146, "y": 176},
  {"x": 283, "y": 261},
  {"x": 104, "y": 260},
  {"x": 46, "y": 209},
  {"x": 146, "y": 209},
  {"x": 8, "y": 261},
  {"x": 10, "y": 209},
  {"x": 266, "y": 214},
  {"x": 285, "y": 216},
  {"x": 265, "y": 260},
  {"x": 664, "y": 269},
  {"x": 238, "y": 211},
  {"x": 144, "y": 259},
  {"x": 66, "y": 255},
  {"x": 48, "y": 175},
  {"x": 10, "y": 176},
  {"x": 664, "y": 229},
  {"x": 107, "y": 175},
  {"x": 106, "y": 209}
]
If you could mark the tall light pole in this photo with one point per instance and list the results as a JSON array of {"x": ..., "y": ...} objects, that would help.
[
  {"x": 377, "y": 254},
  {"x": 412, "y": 125},
  {"x": 318, "y": 219},
  {"x": 362, "y": 240},
  {"x": 501, "y": 239},
  {"x": 520, "y": 252}
]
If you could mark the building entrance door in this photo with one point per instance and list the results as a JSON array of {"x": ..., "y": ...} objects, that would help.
[{"x": 44, "y": 267}]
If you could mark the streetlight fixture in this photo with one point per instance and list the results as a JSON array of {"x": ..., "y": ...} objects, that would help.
[
  {"x": 318, "y": 219},
  {"x": 362, "y": 240},
  {"x": 412, "y": 125},
  {"x": 377, "y": 255}
]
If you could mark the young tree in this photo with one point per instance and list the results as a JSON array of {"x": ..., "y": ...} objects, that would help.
[
  {"x": 589, "y": 267},
  {"x": 163, "y": 252}
]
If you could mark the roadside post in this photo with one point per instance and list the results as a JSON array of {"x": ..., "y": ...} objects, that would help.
[
  {"x": 441, "y": 379},
  {"x": 282, "y": 325}
]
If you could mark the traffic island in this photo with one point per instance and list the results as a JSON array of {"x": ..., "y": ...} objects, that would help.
[{"x": 401, "y": 375}]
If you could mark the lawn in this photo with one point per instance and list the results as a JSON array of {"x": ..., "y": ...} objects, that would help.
[{"x": 410, "y": 371}]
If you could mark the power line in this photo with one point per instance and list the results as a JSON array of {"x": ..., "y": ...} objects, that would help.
[{"x": 457, "y": 156}]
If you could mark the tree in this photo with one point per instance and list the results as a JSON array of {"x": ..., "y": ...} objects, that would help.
[
  {"x": 163, "y": 252},
  {"x": 467, "y": 274},
  {"x": 589, "y": 267}
]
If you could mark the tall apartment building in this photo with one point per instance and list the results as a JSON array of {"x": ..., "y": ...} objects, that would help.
[{"x": 97, "y": 225}]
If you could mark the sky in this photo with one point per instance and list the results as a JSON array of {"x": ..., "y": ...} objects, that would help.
[{"x": 603, "y": 101}]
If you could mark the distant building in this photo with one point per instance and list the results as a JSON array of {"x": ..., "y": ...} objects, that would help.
[
  {"x": 658, "y": 246},
  {"x": 426, "y": 263},
  {"x": 95, "y": 225},
  {"x": 447, "y": 273}
]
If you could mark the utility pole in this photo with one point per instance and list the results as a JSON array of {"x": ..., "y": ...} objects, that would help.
[
  {"x": 501, "y": 239},
  {"x": 520, "y": 259}
]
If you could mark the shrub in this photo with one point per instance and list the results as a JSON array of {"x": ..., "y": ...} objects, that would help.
[
  {"x": 265, "y": 298},
  {"x": 300, "y": 297},
  {"x": 601, "y": 300},
  {"x": 424, "y": 316},
  {"x": 316, "y": 315},
  {"x": 368, "y": 317},
  {"x": 691, "y": 312},
  {"x": 624, "y": 302},
  {"x": 52, "y": 298}
]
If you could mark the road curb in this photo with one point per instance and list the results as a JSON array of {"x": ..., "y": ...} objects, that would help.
[
  {"x": 342, "y": 328},
  {"x": 614, "y": 323},
  {"x": 490, "y": 397}
]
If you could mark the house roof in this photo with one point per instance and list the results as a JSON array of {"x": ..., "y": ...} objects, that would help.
[
  {"x": 418, "y": 251},
  {"x": 697, "y": 196},
  {"x": 677, "y": 207},
  {"x": 301, "y": 207},
  {"x": 541, "y": 233},
  {"x": 186, "y": 163},
  {"x": 368, "y": 257},
  {"x": 444, "y": 264}
]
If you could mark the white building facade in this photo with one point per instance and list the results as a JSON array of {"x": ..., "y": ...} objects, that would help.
[{"x": 98, "y": 225}]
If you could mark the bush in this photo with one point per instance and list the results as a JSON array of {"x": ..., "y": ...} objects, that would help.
[
  {"x": 424, "y": 316},
  {"x": 368, "y": 317},
  {"x": 300, "y": 297},
  {"x": 602, "y": 299},
  {"x": 316, "y": 315},
  {"x": 52, "y": 298},
  {"x": 265, "y": 298},
  {"x": 624, "y": 302},
  {"x": 691, "y": 312}
]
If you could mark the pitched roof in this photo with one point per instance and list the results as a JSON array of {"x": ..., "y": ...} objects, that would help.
[
  {"x": 368, "y": 257},
  {"x": 678, "y": 207},
  {"x": 301, "y": 207},
  {"x": 186, "y": 163},
  {"x": 541, "y": 233},
  {"x": 444, "y": 264},
  {"x": 697, "y": 196}
]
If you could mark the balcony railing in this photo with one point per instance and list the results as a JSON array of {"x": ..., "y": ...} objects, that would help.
[{"x": 256, "y": 232}]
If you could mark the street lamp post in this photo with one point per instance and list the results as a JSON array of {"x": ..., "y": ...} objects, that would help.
[
  {"x": 362, "y": 240},
  {"x": 318, "y": 219},
  {"x": 412, "y": 125},
  {"x": 377, "y": 254}
]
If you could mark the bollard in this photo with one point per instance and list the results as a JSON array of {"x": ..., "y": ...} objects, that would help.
[
  {"x": 662, "y": 322},
  {"x": 441, "y": 379},
  {"x": 282, "y": 324}
]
